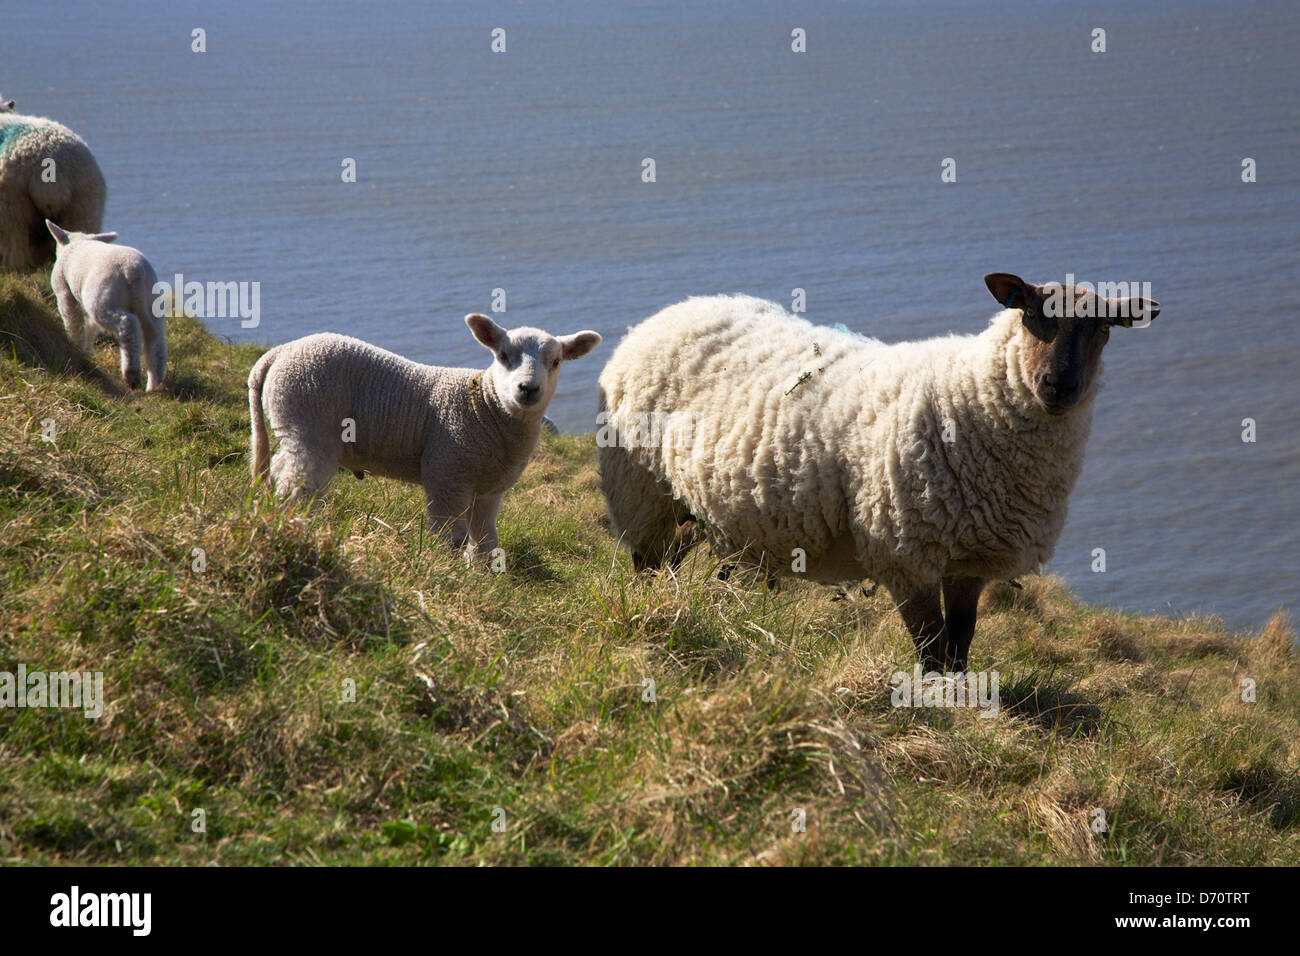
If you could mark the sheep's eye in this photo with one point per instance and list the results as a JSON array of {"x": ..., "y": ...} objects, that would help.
[
  {"x": 504, "y": 359},
  {"x": 555, "y": 364}
]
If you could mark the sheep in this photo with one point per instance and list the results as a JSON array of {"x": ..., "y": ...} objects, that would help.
[
  {"x": 465, "y": 435},
  {"x": 107, "y": 288},
  {"x": 46, "y": 172},
  {"x": 931, "y": 467}
]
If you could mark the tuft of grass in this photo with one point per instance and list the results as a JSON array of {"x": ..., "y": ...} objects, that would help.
[{"x": 338, "y": 688}]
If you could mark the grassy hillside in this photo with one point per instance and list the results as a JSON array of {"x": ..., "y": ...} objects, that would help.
[{"x": 525, "y": 690}]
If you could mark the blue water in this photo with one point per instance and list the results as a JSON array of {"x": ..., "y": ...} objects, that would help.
[{"x": 775, "y": 170}]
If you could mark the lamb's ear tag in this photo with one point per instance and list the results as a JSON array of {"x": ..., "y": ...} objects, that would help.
[{"x": 1123, "y": 320}]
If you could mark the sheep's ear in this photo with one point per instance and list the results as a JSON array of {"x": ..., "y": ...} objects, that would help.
[
  {"x": 489, "y": 334},
  {"x": 59, "y": 235},
  {"x": 103, "y": 236},
  {"x": 578, "y": 344},
  {"x": 1013, "y": 292},
  {"x": 1133, "y": 311},
  {"x": 1010, "y": 290},
  {"x": 8, "y": 106}
]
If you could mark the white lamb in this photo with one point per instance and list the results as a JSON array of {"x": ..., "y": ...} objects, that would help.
[
  {"x": 46, "y": 172},
  {"x": 108, "y": 288},
  {"x": 931, "y": 466},
  {"x": 465, "y": 435}
]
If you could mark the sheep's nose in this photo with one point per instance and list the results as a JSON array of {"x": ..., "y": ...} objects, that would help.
[{"x": 528, "y": 392}]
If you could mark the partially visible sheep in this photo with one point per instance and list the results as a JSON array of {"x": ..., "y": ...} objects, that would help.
[
  {"x": 931, "y": 467},
  {"x": 46, "y": 172},
  {"x": 465, "y": 435},
  {"x": 108, "y": 288}
]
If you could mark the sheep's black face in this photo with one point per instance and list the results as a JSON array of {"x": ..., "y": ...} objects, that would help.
[
  {"x": 1065, "y": 359},
  {"x": 1066, "y": 328}
]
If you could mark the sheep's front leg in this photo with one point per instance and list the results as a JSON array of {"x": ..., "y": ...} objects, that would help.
[
  {"x": 483, "y": 526},
  {"x": 923, "y": 616},
  {"x": 449, "y": 511},
  {"x": 961, "y": 598}
]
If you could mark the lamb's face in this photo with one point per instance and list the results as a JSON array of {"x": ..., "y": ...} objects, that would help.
[
  {"x": 526, "y": 362},
  {"x": 6, "y": 106},
  {"x": 1065, "y": 328}
]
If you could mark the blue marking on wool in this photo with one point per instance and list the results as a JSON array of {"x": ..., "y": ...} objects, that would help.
[{"x": 12, "y": 132}]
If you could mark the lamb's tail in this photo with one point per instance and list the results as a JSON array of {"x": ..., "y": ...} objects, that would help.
[{"x": 260, "y": 445}]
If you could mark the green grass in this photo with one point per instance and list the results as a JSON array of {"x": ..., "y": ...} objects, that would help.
[{"x": 525, "y": 690}]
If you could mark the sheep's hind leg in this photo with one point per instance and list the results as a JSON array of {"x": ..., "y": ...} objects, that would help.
[
  {"x": 923, "y": 616},
  {"x": 74, "y": 319},
  {"x": 961, "y": 598},
  {"x": 126, "y": 328},
  {"x": 155, "y": 352},
  {"x": 300, "y": 474}
]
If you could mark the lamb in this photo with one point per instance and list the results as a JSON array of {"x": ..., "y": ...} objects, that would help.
[
  {"x": 931, "y": 467},
  {"x": 106, "y": 288},
  {"x": 465, "y": 435},
  {"x": 46, "y": 172}
]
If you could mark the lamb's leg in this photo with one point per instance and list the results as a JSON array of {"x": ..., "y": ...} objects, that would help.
[
  {"x": 74, "y": 319},
  {"x": 923, "y": 616},
  {"x": 301, "y": 471},
  {"x": 155, "y": 352},
  {"x": 126, "y": 328},
  {"x": 483, "y": 526},
  {"x": 449, "y": 511},
  {"x": 961, "y": 598}
]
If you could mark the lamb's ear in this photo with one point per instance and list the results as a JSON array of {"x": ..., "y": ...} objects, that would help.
[
  {"x": 578, "y": 344},
  {"x": 489, "y": 334},
  {"x": 1133, "y": 312},
  {"x": 59, "y": 235},
  {"x": 103, "y": 236}
]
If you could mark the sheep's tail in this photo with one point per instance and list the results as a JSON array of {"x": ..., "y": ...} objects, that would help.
[{"x": 260, "y": 445}]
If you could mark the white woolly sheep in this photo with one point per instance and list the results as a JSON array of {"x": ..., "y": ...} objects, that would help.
[
  {"x": 465, "y": 435},
  {"x": 46, "y": 172},
  {"x": 930, "y": 467},
  {"x": 107, "y": 288}
]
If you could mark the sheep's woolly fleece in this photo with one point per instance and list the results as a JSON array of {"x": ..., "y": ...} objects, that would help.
[
  {"x": 73, "y": 200},
  {"x": 810, "y": 438}
]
